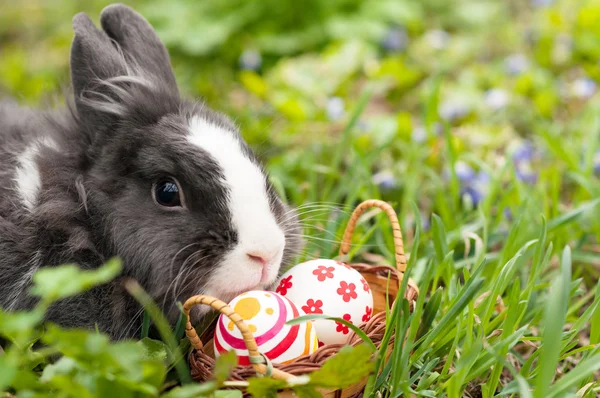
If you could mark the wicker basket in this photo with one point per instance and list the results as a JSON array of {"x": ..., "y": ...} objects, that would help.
[{"x": 384, "y": 282}]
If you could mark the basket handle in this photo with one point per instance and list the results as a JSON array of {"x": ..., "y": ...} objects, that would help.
[
  {"x": 389, "y": 210},
  {"x": 259, "y": 362}
]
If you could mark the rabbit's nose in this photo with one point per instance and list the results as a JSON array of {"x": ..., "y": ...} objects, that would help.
[{"x": 259, "y": 257}]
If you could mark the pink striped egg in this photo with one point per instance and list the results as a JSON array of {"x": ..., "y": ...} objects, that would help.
[
  {"x": 332, "y": 288},
  {"x": 266, "y": 313}
]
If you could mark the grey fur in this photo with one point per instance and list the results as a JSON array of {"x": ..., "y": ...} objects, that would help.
[{"x": 127, "y": 129}]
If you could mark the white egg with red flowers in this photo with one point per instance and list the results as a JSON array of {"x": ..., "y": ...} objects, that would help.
[
  {"x": 331, "y": 288},
  {"x": 266, "y": 313}
]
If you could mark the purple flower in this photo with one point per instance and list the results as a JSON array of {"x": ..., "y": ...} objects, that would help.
[
  {"x": 453, "y": 110},
  {"x": 464, "y": 172},
  {"x": 508, "y": 213},
  {"x": 425, "y": 222},
  {"x": 497, "y": 98},
  {"x": 419, "y": 134},
  {"x": 395, "y": 40},
  {"x": 483, "y": 178},
  {"x": 584, "y": 87},
  {"x": 597, "y": 162},
  {"x": 541, "y": 3},
  {"x": 335, "y": 108},
  {"x": 524, "y": 152},
  {"x": 516, "y": 64},
  {"x": 385, "y": 180},
  {"x": 474, "y": 195},
  {"x": 250, "y": 60},
  {"x": 525, "y": 173},
  {"x": 476, "y": 189}
]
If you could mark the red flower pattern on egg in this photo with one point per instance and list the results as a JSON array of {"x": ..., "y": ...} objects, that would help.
[
  {"x": 284, "y": 285},
  {"x": 322, "y": 272},
  {"x": 366, "y": 286},
  {"x": 368, "y": 312},
  {"x": 344, "y": 265},
  {"x": 313, "y": 307},
  {"x": 341, "y": 328},
  {"x": 347, "y": 291}
]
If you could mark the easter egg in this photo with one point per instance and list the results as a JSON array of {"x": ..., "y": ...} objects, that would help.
[
  {"x": 331, "y": 288},
  {"x": 266, "y": 313}
]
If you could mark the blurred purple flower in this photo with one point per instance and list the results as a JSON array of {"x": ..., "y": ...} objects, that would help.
[
  {"x": 419, "y": 134},
  {"x": 524, "y": 152},
  {"x": 452, "y": 110},
  {"x": 497, "y": 98},
  {"x": 474, "y": 195},
  {"x": 483, "y": 178},
  {"x": 335, "y": 108},
  {"x": 464, "y": 172},
  {"x": 395, "y": 40},
  {"x": 516, "y": 64},
  {"x": 425, "y": 222},
  {"x": 542, "y": 3},
  {"x": 525, "y": 173},
  {"x": 250, "y": 60},
  {"x": 476, "y": 189},
  {"x": 597, "y": 162},
  {"x": 385, "y": 180},
  {"x": 507, "y": 213},
  {"x": 584, "y": 87}
]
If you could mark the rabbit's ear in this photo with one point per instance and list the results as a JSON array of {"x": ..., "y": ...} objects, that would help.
[
  {"x": 139, "y": 42},
  {"x": 94, "y": 58}
]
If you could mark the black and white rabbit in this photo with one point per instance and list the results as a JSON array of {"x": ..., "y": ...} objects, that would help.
[{"x": 134, "y": 171}]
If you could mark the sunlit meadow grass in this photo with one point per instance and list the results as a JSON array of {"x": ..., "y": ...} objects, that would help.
[{"x": 507, "y": 306}]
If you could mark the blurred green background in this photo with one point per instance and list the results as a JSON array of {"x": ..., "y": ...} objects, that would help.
[{"x": 455, "y": 88}]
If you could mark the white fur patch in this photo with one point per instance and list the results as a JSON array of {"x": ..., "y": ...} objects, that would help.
[
  {"x": 27, "y": 174},
  {"x": 258, "y": 231}
]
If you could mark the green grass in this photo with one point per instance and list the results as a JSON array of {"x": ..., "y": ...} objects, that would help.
[{"x": 510, "y": 303}]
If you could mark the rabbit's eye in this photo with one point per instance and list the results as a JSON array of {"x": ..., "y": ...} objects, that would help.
[{"x": 166, "y": 193}]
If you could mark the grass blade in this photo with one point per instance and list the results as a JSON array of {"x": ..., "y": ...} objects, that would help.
[
  {"x": 145, "y": 325},
  {"x": 569, "y": 381},
  {"x": 463, "y": 300},
  {"x": 569, "y": 216},
  {"x": 554, "y": 320},
  {"x": 163, "y": 328},
  {"x": 595, "y": 321},
  {"x": 354, "y": 328}
]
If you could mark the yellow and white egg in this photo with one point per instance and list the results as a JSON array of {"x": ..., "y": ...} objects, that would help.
[{"x": 266, "y": 313}]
